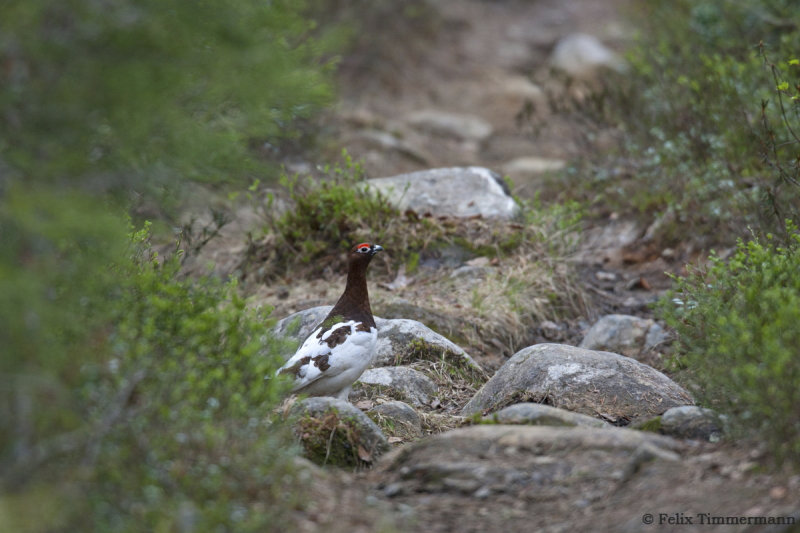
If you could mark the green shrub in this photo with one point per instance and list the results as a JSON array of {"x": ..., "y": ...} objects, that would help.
[
  {"x": 329, "y": 215},
  {"x": 737, "y": 322},
  {"x": 690, "y": 121},
  {"x": 781, "y": 139},
  {"x": 163, "y": 89},
  {"x": 160, "y": 416},
  {"x": 131, "y": 398}
]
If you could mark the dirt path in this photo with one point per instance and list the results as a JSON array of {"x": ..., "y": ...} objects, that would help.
[{"x": 485, "y": 60}]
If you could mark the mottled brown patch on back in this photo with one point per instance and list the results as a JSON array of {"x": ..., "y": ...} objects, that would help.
[
  {"x": 295, "y": 368},
  {"x": 321, "y": 361},
  {"x": 362, "y": 327},
  {"x": 338, "y": 336}
]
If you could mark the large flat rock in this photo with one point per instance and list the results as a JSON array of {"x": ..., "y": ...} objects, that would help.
[
  {"x": 454, "y": 192},
  {"x": 541, "y": 462},
  {"x": 605, "y": 385}
]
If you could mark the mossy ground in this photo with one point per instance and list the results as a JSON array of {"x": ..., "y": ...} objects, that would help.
[{"x": 332, "y": 440}]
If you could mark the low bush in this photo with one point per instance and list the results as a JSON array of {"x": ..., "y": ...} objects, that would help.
[
  {"x": 155, "y": 417},
  {"x": 700, "y": 121},
  {"x": 737, "y": 322}
]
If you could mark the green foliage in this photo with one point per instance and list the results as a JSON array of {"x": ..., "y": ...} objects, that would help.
[
  {"x": 653, "y": 425},
  {"x": 55, "y": 249},
  {"x": 329, "y": 215},
  {"x": 160, "y": 88},
  {"x": 781, "y": 139},
  {"x": 737, "y": 324},
  {"x": 130, "y": 398},
  {"x": 692, "y": 142},
  {"x": 161, "y": 413}
]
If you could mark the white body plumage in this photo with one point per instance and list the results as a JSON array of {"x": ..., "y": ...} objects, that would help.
[{"x": 330, "y": 361}]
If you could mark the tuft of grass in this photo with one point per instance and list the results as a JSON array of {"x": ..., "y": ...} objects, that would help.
[
  {"x": 394, "y": 428},
  {"x": 329, "y": 215},
  {"x": 653, "y": 425},
  {"x": 369, "y": 391}
]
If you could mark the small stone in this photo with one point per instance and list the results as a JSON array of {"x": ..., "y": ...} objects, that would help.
[
  {"x": 410, "y": 384},
  {"x": 581, "y": 56},
  {"x": 469, "y": 273},
  {"x": 400, "y": 413},
  {"x": 602, "y": 275},
  {"x": 629, "y": 335},
  {"x": 692, "y": 422},
  {"x": 478, "y": 262},
  {"x": 531, "y": 166},
  {"x": 777, "y": 493},
  {"x": 392, "y": 489},
  {"x": 364, "y": 404},
  {"x": 482, "y": 493},
  {"x": 460, "y": 126},
  {"x": 550, "y": 330}
]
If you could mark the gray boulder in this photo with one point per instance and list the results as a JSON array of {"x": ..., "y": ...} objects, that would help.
[
  {"x": 692, "y": 422},
  {"x": 400, "y": 419},
  {"x": 455, "y": 192},
  {"x": 333, "y": 431},
  {"x": 605, "y": 385},
  {"x": 537, "y": 414},
  {"x": 299, "y": 325},
  {"x": 557, "y": 465},
  {"x": 438, "y": 321},
  {"x": 408, "y": 383},
  {"x": 624, "y": 334},
  {"x": 403, "y": 341}
]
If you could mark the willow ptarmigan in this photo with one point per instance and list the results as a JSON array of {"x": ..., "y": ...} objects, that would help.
[{"x": 343, "y": 345}]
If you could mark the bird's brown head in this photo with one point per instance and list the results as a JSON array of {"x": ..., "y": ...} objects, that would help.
[{"x": 362, "y": 253}]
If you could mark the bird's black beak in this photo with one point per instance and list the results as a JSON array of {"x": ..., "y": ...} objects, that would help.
[{"x": 376, "y": 248}]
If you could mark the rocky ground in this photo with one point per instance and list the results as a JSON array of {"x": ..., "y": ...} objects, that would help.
[{"x": 469, "y": 428}]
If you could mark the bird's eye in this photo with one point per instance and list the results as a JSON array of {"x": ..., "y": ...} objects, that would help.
[{"x": 364, "y": 249}]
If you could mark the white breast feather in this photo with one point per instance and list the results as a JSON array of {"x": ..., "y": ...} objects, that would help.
[{"x": 347, "y": 360}]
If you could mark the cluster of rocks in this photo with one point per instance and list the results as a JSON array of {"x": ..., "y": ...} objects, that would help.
[
  {"x": 551, "y": 385},
  {"x": 595, "y": 389}
]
